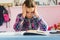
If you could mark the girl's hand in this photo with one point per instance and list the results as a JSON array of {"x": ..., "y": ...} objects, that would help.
[
  {"x": 24, "y": 10},
  {"x": 36, "y": 13}
]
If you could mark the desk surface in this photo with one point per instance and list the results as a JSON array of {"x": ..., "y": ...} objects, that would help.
[
  {"x": 17, "y": 36},
  {"x": 30, "y": 38}
]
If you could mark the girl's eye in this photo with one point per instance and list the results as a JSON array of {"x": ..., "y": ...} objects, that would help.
[
  {"x": 27, "y": 12},
  {"x": 32, "y": 12}
]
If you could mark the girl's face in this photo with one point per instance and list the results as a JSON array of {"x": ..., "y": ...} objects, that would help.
[{"x": 29, "y": 12}]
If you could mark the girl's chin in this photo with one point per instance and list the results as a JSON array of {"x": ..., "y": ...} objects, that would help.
[{"x": 29, "y": 17}]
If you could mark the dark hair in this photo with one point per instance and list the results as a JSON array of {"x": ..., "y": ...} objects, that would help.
[{"x": 29, "y": 3}]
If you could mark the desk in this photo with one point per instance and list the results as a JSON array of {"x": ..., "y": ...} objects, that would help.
[
  {"x": 17, "y": 36},
  {"x": 31, "y": 38}
]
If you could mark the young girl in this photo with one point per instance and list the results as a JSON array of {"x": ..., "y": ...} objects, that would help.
[{"x": 29, "y": 19}]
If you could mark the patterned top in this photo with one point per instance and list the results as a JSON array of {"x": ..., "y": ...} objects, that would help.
[{"x": 29, "y": 24}]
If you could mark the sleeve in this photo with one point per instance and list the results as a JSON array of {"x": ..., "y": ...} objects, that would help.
[
  {"x": 18, "y": 24},
  {"x": 42, "y": 24}
]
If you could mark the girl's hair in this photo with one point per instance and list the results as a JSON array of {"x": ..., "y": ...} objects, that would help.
[{"x": 29, "y": 3}]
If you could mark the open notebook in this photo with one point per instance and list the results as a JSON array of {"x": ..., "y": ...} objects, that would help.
[{"x": 35, "y": 32}]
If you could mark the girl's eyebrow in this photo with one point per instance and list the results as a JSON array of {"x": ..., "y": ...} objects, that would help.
[{"x": 28, "y": 12}]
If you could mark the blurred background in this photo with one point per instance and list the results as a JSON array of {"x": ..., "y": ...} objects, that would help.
[{"x": 38, "y": 2}]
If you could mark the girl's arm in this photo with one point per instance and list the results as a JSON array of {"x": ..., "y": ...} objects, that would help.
[
  {"x": 19, "y": 22},
  {"x": 20, "y": 19},
  {"x": 42, "y": 24}
]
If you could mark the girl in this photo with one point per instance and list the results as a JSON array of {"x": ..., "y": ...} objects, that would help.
[{"x": 29, "y": 18}]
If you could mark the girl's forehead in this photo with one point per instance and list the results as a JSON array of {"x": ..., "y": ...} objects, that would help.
[{"x": 29, "y": 9}]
